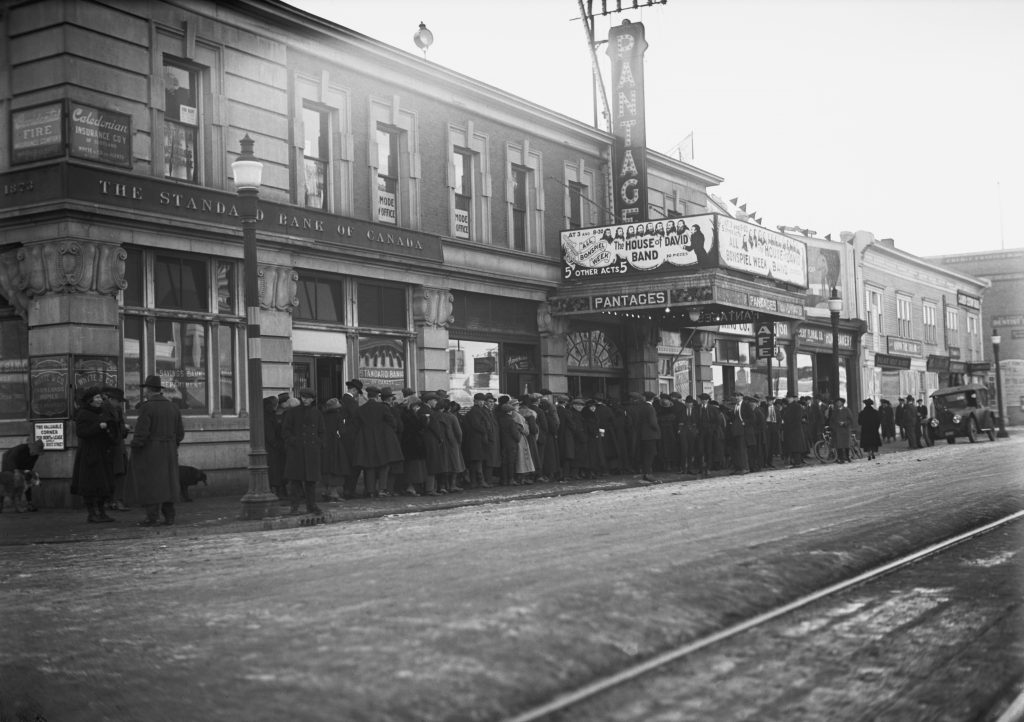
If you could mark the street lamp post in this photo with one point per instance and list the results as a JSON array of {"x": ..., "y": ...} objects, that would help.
[
  {"x": 835, "y": 305},
  {"x": 1003, "y": 434},
  {"x": 248, "y": 172}
]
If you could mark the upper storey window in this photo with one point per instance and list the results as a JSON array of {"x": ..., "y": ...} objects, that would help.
[
  {"x": 181, "y": 122},
  {"x": 387, "y": 175},
  {"x": 316, "y": 157}
]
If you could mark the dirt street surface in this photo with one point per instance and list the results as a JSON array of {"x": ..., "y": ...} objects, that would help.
[
  {"x": 942, "y": 639},
  {"x": 465, "y": 614}
]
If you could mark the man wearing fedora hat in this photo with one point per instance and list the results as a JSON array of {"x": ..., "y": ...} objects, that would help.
[{"x": 154, "y": 462}]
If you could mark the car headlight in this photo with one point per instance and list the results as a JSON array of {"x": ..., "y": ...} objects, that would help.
[
  {"x": 934, "y": 423},
  {"x": 956, "y": 418}
]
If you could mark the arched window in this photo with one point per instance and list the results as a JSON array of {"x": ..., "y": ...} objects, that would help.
[{"x": 592, "y": 350}]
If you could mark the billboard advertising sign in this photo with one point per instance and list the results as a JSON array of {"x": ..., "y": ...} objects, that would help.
[
  {"x": 696, "y": 242},
  {"x": 626, "y": 48}
]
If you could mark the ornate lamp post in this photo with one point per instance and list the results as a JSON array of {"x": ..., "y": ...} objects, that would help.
[
  {"x": 259, "y": 500},
  {"x": 835, "y": 305},
  {"x": 996, "y": 340}
]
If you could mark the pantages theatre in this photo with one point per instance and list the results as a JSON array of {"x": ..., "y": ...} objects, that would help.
[{"x": 416, "y": 228}]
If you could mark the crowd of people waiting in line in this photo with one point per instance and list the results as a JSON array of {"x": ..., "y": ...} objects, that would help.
[{"x": 423, "y": 443}]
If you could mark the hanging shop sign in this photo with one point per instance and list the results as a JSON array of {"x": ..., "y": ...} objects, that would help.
[
  {"x": 822, "y": 338},
  {"x": 895, "y": 363},
  {"x": 626, "y": 48},
  {"x": 764, "y": 340},
  {"x": 709, "y": 240},
  {"x": 967, "y": 300},
  {"x": 758, "y": 251},
  {"x": 958, "y": 367},
  {"x": 904, "y": 346},
  {"x": 638, "y": 299},
  {"x": 100, "y": 135},
  {"x": 37, "y": 133},
  {"x": 939, "y": 364}
]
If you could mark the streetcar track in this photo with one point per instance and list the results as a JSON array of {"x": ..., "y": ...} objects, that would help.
[{"x": 598, "y": 686}]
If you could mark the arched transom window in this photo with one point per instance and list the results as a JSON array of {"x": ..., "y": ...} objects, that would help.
[{"x": 592, "y": 350}]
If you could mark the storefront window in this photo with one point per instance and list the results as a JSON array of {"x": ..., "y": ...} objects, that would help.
[
  {"x": 804, "y": 374},
  {"x": 181, "y": 363},
  {"x": 382, "y": 306},
  {"x": 196, "y": 300},
  {"x": 13, "y": 367},
  {"x": 226, "y": 368},
  {"x": 382, "y": 361},
  {"x": 320, "y": 299},
  {"x": 472, "y": 368},
  {"x": 133, "y": 345}
]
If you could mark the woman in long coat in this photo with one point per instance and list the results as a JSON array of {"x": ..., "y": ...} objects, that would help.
[
  {"x": 93, "y": 474},
  {"x": 870, "y": 420},
  {"x": 888, "y": 419},
  {"x": 303, "y": 434},
  {"x": 841, "y": 422},
  {"x": 335, "y": 465},
  {"x": 377, "y": 446}
]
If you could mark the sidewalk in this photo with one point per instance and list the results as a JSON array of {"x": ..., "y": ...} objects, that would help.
[{"x": 221, "y": 514}]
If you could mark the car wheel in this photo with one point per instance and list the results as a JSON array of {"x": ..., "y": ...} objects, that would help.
[
  {"x": 972, "y": 430},
  {"x": 990, "y": 432}
]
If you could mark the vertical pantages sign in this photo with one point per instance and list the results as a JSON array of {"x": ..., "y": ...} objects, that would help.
[{"x": 626, "y": 48}]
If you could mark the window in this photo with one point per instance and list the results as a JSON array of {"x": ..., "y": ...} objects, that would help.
[
  {"x": 316, "y": 157},
  {"x": 930, "y": 327},
  {"x": 463, "y": 165},
  {"x": 903, "y": 318},
  {"x": 520, "y": 232},
  {"x": 972, "y": 326},
  {"x": 13, "y": 365},
  {"x": 180, "y": 283},
  {"x": 952, "y": 321},
  {"x": 382, "y": 306},
  {"x": 874, "y": 312},
  {"x": 181, "y": 322},
  {"x": 387, "y": 176},
  {"x": 577, "y": 195},
  {"x": 320, "y": 299},
  {"x": 181, "y": 122}
]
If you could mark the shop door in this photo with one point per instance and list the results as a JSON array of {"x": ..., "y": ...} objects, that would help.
[{"x": 324, "y": 374}]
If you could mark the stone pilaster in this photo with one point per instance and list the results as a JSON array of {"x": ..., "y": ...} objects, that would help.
[
  {"x": 432, "y": 313},
  {"x": 641, "y": 355},
  {"x": 554, "y": 367},
  {"x": 69, "y": 289},
  {"x": 279, "y": 297}
]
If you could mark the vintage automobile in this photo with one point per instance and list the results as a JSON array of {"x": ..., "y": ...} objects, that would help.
[{"x": 963, "y": 411}]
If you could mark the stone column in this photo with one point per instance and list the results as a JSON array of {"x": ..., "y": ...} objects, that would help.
[
  {"x": 70, "y": 289},
  {"x": 67, "y": 290},
  {"x": 554, "y": 366},
  {"x": 279, "y": 296},
  {"x": 641, "y": 355},
  {"x": 432, "y": 313}
]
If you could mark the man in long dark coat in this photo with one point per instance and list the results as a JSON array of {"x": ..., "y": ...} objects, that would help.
[
  {"x": 709, "y": 424},
  {"x": 377, "y": 445},
  {"x": 794, "y": 435},
  {"x": 303, "y": 432},
  {"x": 479, "y": 430},
  {"x": 154, "y": 461}
]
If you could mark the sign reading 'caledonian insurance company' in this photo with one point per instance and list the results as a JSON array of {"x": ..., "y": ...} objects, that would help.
[{"x": 203, "y": 204}]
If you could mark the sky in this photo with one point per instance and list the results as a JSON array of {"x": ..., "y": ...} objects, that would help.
[{"x": 904, "y": 118}]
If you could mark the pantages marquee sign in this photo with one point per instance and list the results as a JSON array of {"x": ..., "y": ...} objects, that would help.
[
  {"x": 196, "y": 203},
  {"x": 626, "y": 48},
  {"x": 697, "y": 242}
]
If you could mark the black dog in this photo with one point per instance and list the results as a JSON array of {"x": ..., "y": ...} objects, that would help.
[{"x": 189, "y": 476}]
